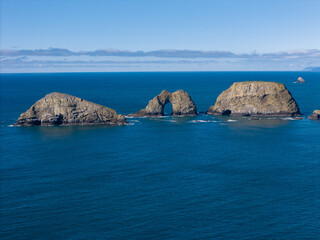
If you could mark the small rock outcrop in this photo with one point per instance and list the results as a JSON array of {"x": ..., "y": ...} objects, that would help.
[
  {"x": 315, "y": 115},
  {"x": 182, "y": 105},
  {"x": 255, "y": 98},
  {"x": 63, "y": 109},
  {"x": 300, "y": 80}
]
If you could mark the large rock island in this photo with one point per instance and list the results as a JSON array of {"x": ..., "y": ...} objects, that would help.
[
  {"x": 63, "y": 109},
  {"x": 315, "y": 115},
  {"x": 255, "y": 98},
  {"x": 182, "y": 105}
]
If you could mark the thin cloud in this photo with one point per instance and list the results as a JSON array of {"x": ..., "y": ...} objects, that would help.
[
  {"x": 56, "y": 59},
  {"x": 169, "y": 53}
]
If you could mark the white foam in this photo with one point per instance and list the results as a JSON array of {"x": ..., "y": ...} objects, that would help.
[
  {"x": 203, "y": 121},
  {"x": 166, "y": 120},
  {"x": 179, "y": 116},
  {"x": 231, "y": 120},
  {"x": 161, "y": 116},
  {"x": 288, "y": 118},
  {"x": 135, "y": 117}
]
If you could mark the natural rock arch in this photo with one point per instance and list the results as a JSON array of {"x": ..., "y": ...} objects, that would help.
[{"x": 182, "y": 105}]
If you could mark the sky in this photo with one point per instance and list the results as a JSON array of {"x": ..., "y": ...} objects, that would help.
[{"x": 240, "y": 27}]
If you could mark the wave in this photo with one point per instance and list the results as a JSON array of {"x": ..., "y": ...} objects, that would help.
[
  {"x": 134, "y": 121},
  {"x": 203, "y": 121},
  {"x": 130, "y": 117},
  {"x": 290, "y": 119},
  {"x": 135, "y": 117},
  {"x": 160, "y": 116}
]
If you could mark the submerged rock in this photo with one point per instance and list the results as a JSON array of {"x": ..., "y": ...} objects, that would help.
[
  {"x": 298, "y": 118},
  {"x": 300, "y": 80},
  {"x": 315, "y": 115},
  {"x": 63, "y": 109},
  {"x": 182, "y": 105},
  {"x": 255, "y": 98}
]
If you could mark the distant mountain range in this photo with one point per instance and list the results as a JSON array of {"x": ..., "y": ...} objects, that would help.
[{"x": 312, "y": 69}]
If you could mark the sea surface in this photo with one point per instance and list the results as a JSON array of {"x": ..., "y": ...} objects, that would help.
[{"x": 201, "y": 177}]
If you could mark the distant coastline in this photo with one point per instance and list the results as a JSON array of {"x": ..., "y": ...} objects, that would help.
[
  {"x": 312, "y": 69},
  {"x": 115, "y": 60}
]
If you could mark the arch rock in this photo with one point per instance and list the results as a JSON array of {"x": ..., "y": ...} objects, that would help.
[{"x": 182, "y": 105}]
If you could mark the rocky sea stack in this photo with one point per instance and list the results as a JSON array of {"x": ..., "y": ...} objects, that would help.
[
  {"x": 63, "y": 109},
  {"x": 182, "y": 105},
  {"x": 255, "y": 98},
  {"x": 300, "y": 80},
  {"x": 315, "y": 115}
]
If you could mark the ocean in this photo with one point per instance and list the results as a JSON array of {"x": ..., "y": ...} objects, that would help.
[{"x": 202, "y": 177}]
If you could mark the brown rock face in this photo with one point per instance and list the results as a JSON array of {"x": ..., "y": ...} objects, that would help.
[
  {"x": 315, "y": 115},
  {"x": 63, "y": 109},
  {"x": 182, "y": 104},
  {"x": 255, "y": 99}
]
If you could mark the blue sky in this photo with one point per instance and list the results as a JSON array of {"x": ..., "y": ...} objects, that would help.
[{"x": 237, "y": 26}]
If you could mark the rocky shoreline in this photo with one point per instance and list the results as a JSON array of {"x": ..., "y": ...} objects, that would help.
[{"x": 250, "y": 98}]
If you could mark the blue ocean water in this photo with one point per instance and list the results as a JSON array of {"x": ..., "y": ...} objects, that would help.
[{"x": 159, "y": 178}]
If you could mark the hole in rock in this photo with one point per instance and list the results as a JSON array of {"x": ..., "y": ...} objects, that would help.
[
  {"x": 226, "y": 112},
  {"x": 59, "y": 119},
  {"x": 167, "y": 109}
]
